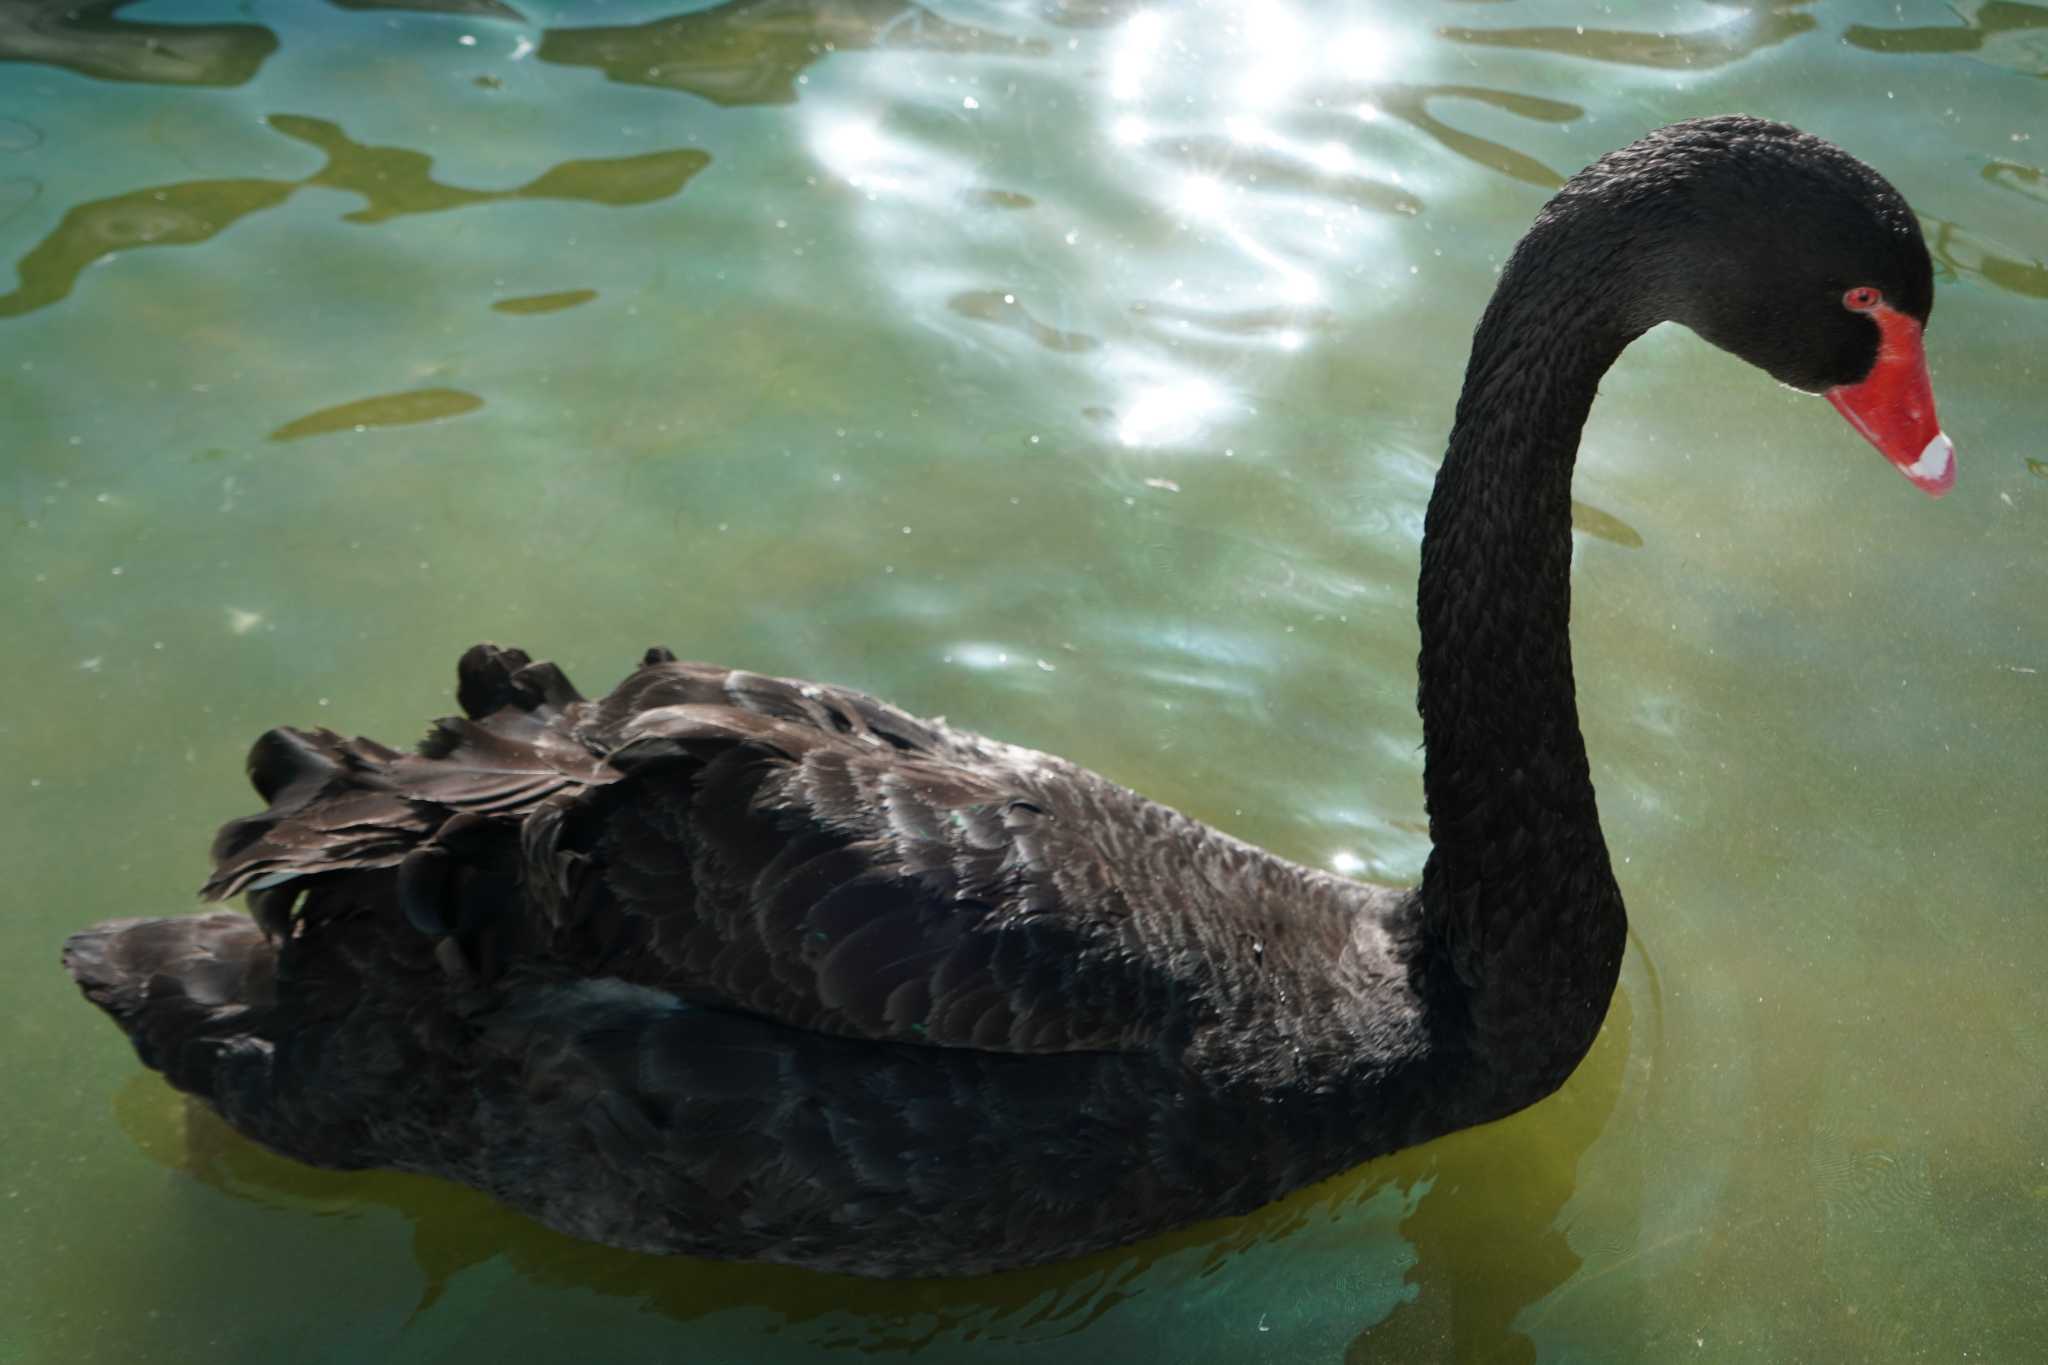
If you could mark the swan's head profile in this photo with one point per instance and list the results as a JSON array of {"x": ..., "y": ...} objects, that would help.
[{"x": 1787, "y": 251}]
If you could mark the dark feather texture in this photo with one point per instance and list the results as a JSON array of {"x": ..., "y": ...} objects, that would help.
[
  {"x": 735, "y": 965},
  {"x": 744, "y": 966}
]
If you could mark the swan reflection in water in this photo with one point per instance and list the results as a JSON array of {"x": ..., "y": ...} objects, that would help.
[{"x": 1462, "y": 1235}]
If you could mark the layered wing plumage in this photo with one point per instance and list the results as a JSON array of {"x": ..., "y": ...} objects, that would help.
[{"x": 801, "y": 853}]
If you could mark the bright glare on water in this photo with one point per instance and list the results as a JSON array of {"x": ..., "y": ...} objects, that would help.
[{"x": 1076, "y": 369}]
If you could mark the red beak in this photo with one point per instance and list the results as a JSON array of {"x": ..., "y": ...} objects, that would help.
[{"x": 1894, "y": 406}]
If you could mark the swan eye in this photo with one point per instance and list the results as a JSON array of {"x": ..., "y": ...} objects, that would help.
[{"x": 1862, "y": 299}]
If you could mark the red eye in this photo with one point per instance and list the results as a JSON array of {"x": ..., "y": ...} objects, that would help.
[{"x": 1862, "y": 299}]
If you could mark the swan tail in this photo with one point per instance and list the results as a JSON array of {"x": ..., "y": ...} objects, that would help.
[
  {"x": 188, "y": 990},
  {"x": 335, "y": 805},
  {"x": 352, "y": 806}
]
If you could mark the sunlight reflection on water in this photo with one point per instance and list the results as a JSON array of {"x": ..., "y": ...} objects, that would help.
[{"x": 629, "y": 322}]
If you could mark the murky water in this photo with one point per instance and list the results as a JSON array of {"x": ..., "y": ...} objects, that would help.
[{"x": 1077, "y": 369}]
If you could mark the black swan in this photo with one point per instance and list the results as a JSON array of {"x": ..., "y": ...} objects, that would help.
[{"x": 737, "y": 966}]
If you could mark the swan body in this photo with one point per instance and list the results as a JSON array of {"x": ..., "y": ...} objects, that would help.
[{"x": 741, "y": 966}]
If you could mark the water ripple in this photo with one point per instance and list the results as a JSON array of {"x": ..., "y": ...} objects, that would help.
[
  {"x": 1999, "y": 32},
  {"x": 755, "y": 51},
  {"x": 1760, "y": 27},
  {"x": 17, "y": 136},
  {"x": 385, "y": 410},
  {"x": 392, "y": 181},
  {"x": 16, "y": 194},
  {"x": 90, "y": 40}
]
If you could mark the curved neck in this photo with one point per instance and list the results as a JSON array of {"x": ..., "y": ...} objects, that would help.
[{"x": 1519, "y": 900}]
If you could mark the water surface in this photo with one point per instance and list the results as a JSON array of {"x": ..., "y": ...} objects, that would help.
[{"x": 1077, "y": 369}]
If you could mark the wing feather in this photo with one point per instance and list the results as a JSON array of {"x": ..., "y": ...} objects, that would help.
[
  {"x": 816, "y": 857},
  {"x": 805, "y": 854}
]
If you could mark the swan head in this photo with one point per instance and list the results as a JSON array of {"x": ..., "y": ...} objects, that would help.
[{"x": 1789, "y": 252}]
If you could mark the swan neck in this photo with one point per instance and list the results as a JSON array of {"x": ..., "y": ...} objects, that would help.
[{"x": 1518, "y": 895}]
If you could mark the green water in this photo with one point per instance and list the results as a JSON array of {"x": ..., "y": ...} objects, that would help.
[{"x": 1076, "y": 370}]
